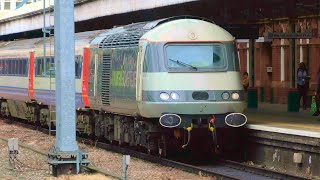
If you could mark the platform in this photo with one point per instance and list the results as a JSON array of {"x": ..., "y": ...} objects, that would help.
[
  {"x": 275, "y": 118},
  {"x": 274, "y": 138}
]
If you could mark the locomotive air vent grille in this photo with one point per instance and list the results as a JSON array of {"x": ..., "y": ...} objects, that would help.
[
  {"x": 126, "y": 39},
  {"x": 106, "y": 77}
]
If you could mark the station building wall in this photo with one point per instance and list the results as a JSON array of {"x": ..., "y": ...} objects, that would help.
[{"x": 277, "y": 53}]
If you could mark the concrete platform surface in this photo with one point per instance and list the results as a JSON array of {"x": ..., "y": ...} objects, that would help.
[{"x": 275, "y": 118}]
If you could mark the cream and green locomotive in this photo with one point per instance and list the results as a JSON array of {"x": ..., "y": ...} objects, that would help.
[{"x": 151, "y": 83}]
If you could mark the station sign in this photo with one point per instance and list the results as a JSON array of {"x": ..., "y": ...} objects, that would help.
[{"x": 303, "y": 35}]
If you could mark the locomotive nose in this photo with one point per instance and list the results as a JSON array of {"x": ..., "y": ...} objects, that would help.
[
  {"x": 170, "y": 120},
  {"x": 236, "y": 119}
]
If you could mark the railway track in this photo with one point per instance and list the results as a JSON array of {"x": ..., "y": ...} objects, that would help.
[{"x": 222, "y": 169}]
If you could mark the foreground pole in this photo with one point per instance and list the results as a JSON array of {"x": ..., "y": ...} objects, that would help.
[{"x": 65, "y": 157}]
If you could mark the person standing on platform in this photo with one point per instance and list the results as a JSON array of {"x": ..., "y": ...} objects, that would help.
[
  {"x": 317, "y": 94},
  {"x": 302, "y": 74},
  {"x": 245, "y": 83}
]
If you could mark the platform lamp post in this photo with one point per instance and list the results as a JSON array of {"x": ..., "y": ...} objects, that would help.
[{"x": 65, "y": 156}]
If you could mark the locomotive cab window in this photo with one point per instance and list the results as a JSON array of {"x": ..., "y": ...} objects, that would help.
[{"x": 188, "y": 57}]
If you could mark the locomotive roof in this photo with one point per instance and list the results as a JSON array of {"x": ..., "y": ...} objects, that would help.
[{"x": 129, "y": 35}]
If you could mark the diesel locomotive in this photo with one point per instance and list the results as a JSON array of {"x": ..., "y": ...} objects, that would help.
[{"x": 147, "y": 84}]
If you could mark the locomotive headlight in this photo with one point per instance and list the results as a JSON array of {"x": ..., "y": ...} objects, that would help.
[
  {"x": 235, "y": 96},
  {"x": 164, "y": 96},
  {"x": 225, "y": 95},
  {"x": 175, "y": 96}
]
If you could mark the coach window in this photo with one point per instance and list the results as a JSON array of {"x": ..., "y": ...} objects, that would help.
[
  {"x": 18, "y": 65},
  {"x": 40, "y": 66},
  {"x": 5, "y": 66},
  {"x": 1, "y": 67},
  {"x": 14, "y": 67},
  {"x": 10, "y": 67},
  {"x": 78, "y": 66},
  {"x": 50, "y": 67},
  {"x": 23, "y": 67}
]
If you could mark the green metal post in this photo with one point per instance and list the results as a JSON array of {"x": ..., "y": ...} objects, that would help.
[
  {"x": 271, "y": 95},
  {"x": 252, "y": 97},
  {"x": 262, "y": 94}
]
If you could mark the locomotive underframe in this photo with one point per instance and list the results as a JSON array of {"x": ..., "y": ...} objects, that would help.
[{"x": 138, "y": 132}]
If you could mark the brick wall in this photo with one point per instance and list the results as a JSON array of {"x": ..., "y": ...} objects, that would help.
[
  {"x": 311, "y": 56},
  {"x": 269, "y": 54},
  {"x": 242, "y": 49}
]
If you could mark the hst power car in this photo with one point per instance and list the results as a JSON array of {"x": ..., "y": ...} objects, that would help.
[{"x": 146, "y": 84}]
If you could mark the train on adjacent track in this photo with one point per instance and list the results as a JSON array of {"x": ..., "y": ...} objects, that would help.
[{"x": 146, "y": 84}]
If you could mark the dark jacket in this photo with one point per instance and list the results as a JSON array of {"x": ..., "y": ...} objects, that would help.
[{"x": 302, "y": 77}]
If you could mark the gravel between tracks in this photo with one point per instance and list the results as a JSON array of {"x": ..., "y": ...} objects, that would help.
[
  {"x": 34, "y": 165},
  {"x": 108, "y": 161}
]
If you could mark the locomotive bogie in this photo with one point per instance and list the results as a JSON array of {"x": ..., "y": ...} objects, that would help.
[{"x": 84, "y": 124}]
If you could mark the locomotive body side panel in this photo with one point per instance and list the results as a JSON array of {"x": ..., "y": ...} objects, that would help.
[
  {"x": 112, "y": 80},
  {"x": 94, "y": 78},
  {"x": 123, "y": 80}
]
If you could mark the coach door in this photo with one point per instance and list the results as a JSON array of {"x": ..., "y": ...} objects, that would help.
[{"x": 31, "y": 76}]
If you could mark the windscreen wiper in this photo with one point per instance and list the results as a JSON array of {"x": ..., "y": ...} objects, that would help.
[{"x": 183, "y": 64}]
